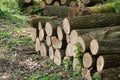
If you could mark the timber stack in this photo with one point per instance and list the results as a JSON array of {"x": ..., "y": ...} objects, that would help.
[{"x": 93, "y": 40}]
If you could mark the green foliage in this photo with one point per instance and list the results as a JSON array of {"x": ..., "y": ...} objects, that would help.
[
  {"x": 6, "y": 35},
  {"x": 96, "y": 77},
  {"x": 44, "y": 76},
  {"x": 79, "y": 55},
  {"x": 67, "y": 64},
  {"x": 117, "y": 6}
]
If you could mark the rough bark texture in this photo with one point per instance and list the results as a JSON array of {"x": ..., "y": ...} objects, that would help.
[
  {"x": 108, "y": 61},
  {"x": 91, "y": 21},
  {"x": 59, "y": 11},
  {"x": 109, "y": 74},
  {"x": 98, "y": 47}
]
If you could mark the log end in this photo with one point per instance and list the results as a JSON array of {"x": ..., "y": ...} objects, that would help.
[
  {"x": 68, "y": 51},
  {"x": 74, "y": 36},
  {"x": 41, "y": 34},
  {"x": 48, "y": 40},
  {"x": 51, "y": 52},
  {"x": 87, "y": 60},
  {"x": 59, "y": 33},
  {"x": 48, "y": 29},
  {"x": 94, "y": 46},
  {"x": 42, "y": 4},
  {"x": 33, "y": 34},
  {"x": 66, "y": 26},
  {"x": 37, "y": 45},
  {"x": 39, "y": 26},
  {"x": 57, "y": 57},
  {"x": 43, "y": 50},
  {"x": 100, "y": 63},
  {"x": 82, "y": 43}
]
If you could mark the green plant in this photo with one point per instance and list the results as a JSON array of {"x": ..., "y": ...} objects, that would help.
[
  {"x": 117, "y": 6},
  {"x": 5, "y": 35},
  {"x": 96, "y": 77}
]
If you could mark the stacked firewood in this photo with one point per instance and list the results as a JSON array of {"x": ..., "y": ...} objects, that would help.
[{"x": 98, "y": 36}]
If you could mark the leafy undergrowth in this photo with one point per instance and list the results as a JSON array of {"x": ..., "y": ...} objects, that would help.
[{"x": 20, "y": 61}]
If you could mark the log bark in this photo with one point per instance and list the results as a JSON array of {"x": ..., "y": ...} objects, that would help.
[
  {"x": 108, "y": 61},
  {"x": 91, "y": 21},
  {"x": 44, "y": 50},
  {"x": 105, "y": 8},
  {"x": 51, "y": 52},
  {"x": 59, "y": 55},
  {"x": 59, "y": 11},
  {"x": 98, "y": 47},
  {"x": 37, "y": 44},
  {"x": 48, "y": 41},
  {"x": 109, "y": 74},
  {"x": 35, "y": 20},
  {"x": 85, "y": 39}
]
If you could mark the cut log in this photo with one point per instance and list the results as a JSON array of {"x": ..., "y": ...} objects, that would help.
[
  {"x": 62, "y": 44},
  {"x": 91, "y": 21},
  {"x": 39, "y": 26},
  {"x": 74, "y": 36},
  {"x": 102, "y": 33},
  {"x": 89, "y": 60},
  {"x": 55, "y": 42},
  {"x": 27, "y": 1},
  {"x": 37, "y": 44},
  {"x": 34, "y": 21},
  {"x": 51, "y": 27},
  {"x": 42, "y": 4},
  {"x": 51, "y": 52},
  {"x": 108, "y": 61},
  {"x": 105, "y": 8},
  {"x": 68, "y": 51},
  {"x": 42, "y": 35},
  {"x": 33, "y": 34},
  {"x": 56, "y": 3},
  {"x": 48, "y": 41},
  {"x": 59, "y": 55},
  {"x": 60, "y": 33},
  {"x": 98, "y": 47},
  {"x": 66, "y": 2},
  {"x": 73, "y": 4},
  {"x": 59, "y": 11},
  {"x": 109, "y": 74},
  {"x": 44, "y": 50}
]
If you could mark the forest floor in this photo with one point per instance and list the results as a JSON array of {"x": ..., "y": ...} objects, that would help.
[{"x": 20, "y": 61}]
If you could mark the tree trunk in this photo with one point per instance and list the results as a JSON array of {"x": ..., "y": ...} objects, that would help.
[
  {"x": 59, "y": 55},
  {"x": 91, "y": 21},
  {"x": 98, "y": 47},
  {"x": 59, "y": 11},
  {"x": 108, "y": 61},
  {"x": 109, "y": 74}
]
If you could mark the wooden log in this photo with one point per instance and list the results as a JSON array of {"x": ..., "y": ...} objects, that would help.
[
  {"x": 98, "y": 47},
  {"x": 27, "y": 1},
  {"x": 39, "y": 26},
  {"x": 104, "y": 8},
  {"x": 59, "y": 55},
  {"x": 109, "y": 74},
  {"x": 60, "y": 33},
  {"x": 68, "y": 51},
  {"x": 42, "y": 4},
  {"x": 107, "y": 61},
  {"x": 35, "y": 20},
  {"x": 85, "y": 39},
  {"x": 37, "y": 44},
  {"x": 56, "y": 42},
  {"x": 62, "y": 44},
  {"x": 51, "y": 27},
  {"x": 33, "y": 34},
  {"x": 49, "y": 1},
  {"x": 44, "y": 50},
  {"x": 90, "y": 21},
  {"x": 86, "y": 74},
  {"x": 42, "y": 35},
  {"x": 51, "y": 52},
  {"x": 66, "y": 2},
  {"x": 89, "y": 60},
  {"x": 48, "y": 41},
  {"x": 59, "y": 11}
]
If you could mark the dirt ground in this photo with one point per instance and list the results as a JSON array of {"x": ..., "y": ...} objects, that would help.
[{"x": 20, "y": 61}]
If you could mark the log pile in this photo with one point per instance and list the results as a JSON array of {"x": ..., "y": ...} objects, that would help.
[{"x": 98, "y": 37}]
